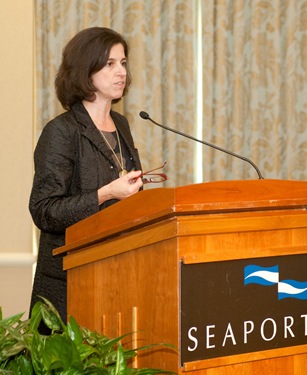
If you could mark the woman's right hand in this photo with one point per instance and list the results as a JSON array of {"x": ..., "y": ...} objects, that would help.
[{"x": 121, "y": 188}]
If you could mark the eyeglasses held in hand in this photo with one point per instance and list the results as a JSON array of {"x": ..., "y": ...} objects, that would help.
[{"x": 148, "y": 177}]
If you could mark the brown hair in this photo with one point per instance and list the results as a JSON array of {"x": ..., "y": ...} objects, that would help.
[{"x": 85, "y": 54}]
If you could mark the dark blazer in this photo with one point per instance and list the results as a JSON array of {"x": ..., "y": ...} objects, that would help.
[{"x": 71, "y": 163}]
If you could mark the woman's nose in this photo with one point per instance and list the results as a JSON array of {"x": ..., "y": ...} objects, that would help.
[{"x": 121, "y": 69}]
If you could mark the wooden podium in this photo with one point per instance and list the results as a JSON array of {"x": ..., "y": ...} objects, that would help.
[{"x": 125, "y": 271}]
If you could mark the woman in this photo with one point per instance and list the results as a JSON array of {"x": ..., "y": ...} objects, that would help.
[{"x": 85, "y": 159}]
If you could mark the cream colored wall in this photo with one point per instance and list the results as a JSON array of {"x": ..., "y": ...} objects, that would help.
[{"x": 16, "y": 128}]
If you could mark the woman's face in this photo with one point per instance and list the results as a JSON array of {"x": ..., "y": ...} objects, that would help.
[{"x": 110, "y": 81}]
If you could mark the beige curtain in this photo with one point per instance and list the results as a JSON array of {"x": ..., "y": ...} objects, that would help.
[
  {"x": 161, "y": 35},
  {"x": 255, "y": 87},
  {"x": 254, "y": 58}
]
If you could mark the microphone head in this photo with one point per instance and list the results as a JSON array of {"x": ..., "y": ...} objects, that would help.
[{"x": 144, "y": 115}]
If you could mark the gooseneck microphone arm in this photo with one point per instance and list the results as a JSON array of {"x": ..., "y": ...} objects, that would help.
[{"x": 146, "y": 116}]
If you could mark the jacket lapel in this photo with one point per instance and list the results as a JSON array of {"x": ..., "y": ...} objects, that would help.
[
  {"x": 90, "y": 131},
  {"x": 124, "y": 131}
]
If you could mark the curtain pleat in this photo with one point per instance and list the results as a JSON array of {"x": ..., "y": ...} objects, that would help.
[{"x": 255, "y": 82}]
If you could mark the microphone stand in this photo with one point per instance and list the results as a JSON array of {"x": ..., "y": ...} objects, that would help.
[{"x": 146, "y": 116}]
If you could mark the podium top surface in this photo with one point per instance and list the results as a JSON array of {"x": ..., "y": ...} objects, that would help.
[{"x": 152, "y": 205}]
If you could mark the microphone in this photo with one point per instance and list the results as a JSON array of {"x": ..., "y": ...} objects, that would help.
[{"x": 146, "y": 116}]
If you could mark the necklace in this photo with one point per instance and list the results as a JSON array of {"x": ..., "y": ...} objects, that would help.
[{"x": 120, "y": 162}]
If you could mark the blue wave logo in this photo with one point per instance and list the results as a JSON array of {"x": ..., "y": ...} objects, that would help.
[
  {"x": 261, "y": 275},
  {"x": 292, "y": 289},
  {"x": 268, "y": 276}
]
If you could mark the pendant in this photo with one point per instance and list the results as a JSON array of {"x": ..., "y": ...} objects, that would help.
[{"x": 122, "y": 173}]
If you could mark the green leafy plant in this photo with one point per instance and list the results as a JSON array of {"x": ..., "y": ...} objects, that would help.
[{"x": 68, "y": 350}]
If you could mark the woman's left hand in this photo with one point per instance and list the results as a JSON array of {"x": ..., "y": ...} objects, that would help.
[{"x": 121, "y": 188}]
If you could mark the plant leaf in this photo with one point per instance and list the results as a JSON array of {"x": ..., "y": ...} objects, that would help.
[
  {"x": 11, "y": 320},
  {"x": 11, "y": 350},
  {"x": 5, "y": 372},
  {"x": 74, "y": 331},
  {"x": 120, "y": 361},
  {"x": 36, "y": 316},
  {"x": 50, "y": 319},
  {"x": 56, "y": 319},
  {"x": 61, "y": 353},
  {"x": 72, "y": 371},
  {"x": 24, "y": 365},
  {"x": 14, "y": 332},
  {"x": 38, "y": 345}
]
